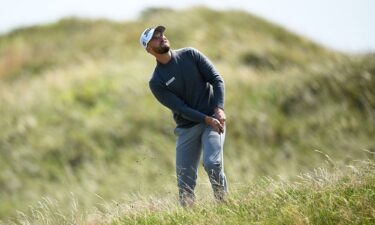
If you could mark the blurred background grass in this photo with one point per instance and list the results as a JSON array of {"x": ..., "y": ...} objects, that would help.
[{"x": 77, "y": 116}]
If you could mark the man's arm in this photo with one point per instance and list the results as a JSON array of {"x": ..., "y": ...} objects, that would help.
[
  {"x": 211, "y": 75},
  {"x": 174, "y": 103}
]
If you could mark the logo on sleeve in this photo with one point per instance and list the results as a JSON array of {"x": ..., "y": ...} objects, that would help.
[{"x": 170, "y": 81}]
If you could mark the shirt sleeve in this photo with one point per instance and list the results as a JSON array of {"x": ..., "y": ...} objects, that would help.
[
  {"x": 174, "y": 103},
  {"x": 212, "y": 76}
]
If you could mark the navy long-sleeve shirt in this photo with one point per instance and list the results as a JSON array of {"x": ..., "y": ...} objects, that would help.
[{"x": 189, "y": 85}]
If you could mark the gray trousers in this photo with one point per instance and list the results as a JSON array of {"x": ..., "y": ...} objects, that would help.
[{"x": 190, "y": 143}]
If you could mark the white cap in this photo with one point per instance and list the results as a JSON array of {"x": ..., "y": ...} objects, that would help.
[{"x": 148, "y": 33}]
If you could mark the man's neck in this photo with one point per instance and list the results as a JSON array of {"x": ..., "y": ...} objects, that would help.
[{"x": 164, "y": 58}]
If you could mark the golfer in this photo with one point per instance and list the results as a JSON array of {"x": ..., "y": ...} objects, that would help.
[{"x": 186, "y": 82}]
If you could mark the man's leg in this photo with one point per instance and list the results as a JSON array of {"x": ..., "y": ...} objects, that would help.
[
  {"x": 213, "y": 162},
  {"x": 188, "y": 152}
]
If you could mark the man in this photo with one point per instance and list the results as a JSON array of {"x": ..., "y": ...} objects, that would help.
[{"x": 187, "y": 83}]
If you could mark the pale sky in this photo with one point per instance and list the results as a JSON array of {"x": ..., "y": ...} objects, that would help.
[{"x": 345, "y": 25}]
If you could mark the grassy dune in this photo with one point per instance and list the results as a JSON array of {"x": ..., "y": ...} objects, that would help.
[{"x": 78, "y": 121}]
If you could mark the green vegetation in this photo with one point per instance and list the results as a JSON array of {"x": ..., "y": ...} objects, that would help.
[
  {"x": 339, "y": 196},
  {"x": 78, "y": 122},
  {"x": 318, "y": 198}
]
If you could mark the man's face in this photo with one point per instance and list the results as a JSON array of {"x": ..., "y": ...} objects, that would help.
[{"x": 159, "y": 43}]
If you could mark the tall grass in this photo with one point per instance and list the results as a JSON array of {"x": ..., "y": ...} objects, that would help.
[{"x": 340, "y": 195}]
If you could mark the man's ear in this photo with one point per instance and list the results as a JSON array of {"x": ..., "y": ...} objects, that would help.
[{"x": 148, "y": 49}]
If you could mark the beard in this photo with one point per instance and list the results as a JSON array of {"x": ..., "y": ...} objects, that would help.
[{"x": 162, "y": 49}]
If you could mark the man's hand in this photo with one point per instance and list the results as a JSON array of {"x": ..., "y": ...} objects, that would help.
[
  {"x": 214, "y": 123},
  {"x": 220, "y": 115}
]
